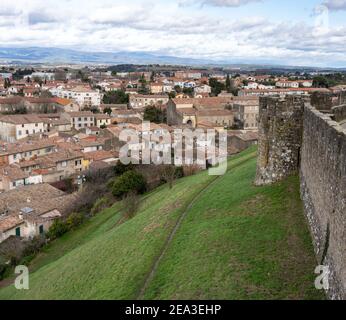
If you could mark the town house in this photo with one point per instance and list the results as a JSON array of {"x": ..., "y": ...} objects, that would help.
[
  {"x": 16, "y": 127},
  {"x": 26, "y": 150},
  {"x": 80, "y": 120},
  {"x": 102, "y": 119},
  {"x": 29, "y": 211},
  {"x": 192, "y": 111},
  {"x": 142, "y": 101}
]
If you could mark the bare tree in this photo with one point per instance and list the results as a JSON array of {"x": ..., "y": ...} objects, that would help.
[
  {"x": 130, "y": 204},
  {"x": 11, "y": 249},
  {"x": 168, "y": 173}
]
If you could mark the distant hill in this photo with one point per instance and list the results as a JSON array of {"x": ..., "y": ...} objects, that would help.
[
  {"x": 233, "y": 241},
  {"x": 57, "y": 55},
  {"x": 34, "y": 55}
]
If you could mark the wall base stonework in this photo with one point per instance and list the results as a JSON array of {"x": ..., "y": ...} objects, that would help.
[
  {"x": 294, "y": 135},
  {"x": 280, "y": 138},
  {"x": 323, "y": 191}
]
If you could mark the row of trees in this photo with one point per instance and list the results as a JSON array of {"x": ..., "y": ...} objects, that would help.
[
  {"x": 217, "y": 87},
  {"x": 115, "y": 97},
  {"x": 155, "y": 114},
  {"x": 328, "y": 81}
]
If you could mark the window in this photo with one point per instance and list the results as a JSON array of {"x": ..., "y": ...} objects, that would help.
[
  {"x": 41, "y": 229},
  {"x": 64, "y": 164},
  {"x": 36, "y": 124},
  {"x": 26, "y": 131},
  {"x": 19, "y": 132},
  {"x": 18, "y": 232}
]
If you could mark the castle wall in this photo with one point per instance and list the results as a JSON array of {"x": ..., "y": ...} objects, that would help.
[
  {"x": 294, "y": 134},
  {"x": 323, "y": 190},
  {"x": 339, "y": 113},
  {"x": 280, "y": 135}
]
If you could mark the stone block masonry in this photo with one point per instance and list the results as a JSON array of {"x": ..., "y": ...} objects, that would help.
[
  {"x": 293, "y": 135},
  {"x": 280, "y": 138},
  {"x": 323, "y": 190}
]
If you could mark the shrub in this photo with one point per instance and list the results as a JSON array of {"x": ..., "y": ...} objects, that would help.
[
  {"x": 179, "y": 172},
  {"x": 4, "y": 267},
  {"x": 33, "y": 246},
  {"x": 121, "y": 168},
  {"x": 190, "y": 170},
  {"x": 127, "y": 182},
  {"x": 100, "y": 204},
  {"x": 168, "y": 174},
  {"x": 131, "y": 204},
  {"x": 57, "y": 229},
  {"x": 12, "y": 250},
  {"x": 74, "y": 220}
]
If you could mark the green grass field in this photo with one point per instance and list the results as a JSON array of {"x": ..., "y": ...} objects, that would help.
[{"x": 236, "y": 241}]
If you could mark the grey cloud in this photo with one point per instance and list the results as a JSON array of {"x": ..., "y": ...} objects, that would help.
[
  {"x": 219, "y": 3},
  {"x": 7, "y": 11},
  {"x": 181, "y": 32},
  {"x": 335, "y": 4},
  {"x": 40, "y": 17}
]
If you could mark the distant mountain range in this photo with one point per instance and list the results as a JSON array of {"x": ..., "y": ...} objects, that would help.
[
  {"x": 57, "y": 55},
  {"x": 43, "y": 55}
]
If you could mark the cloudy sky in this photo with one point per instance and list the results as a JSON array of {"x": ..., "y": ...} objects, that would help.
[{"x": 295, "y": 32}]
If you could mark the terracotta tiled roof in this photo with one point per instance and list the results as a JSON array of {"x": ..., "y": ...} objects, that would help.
[
  {"x": 187, "y": 111},
  {"x": 12, "y": 173},
  {"x": 211, "y": 113},
  {"x": 207, "y": 102},
  {"x": 101, "y": 116},
  {"x": 25, "y": 146},
  {"x": 19, "y": 197},
  {"x": 63, "y": 101},
  {"x": 10, "y": 222},
  {"x": 100, "y": 155},
  {"x": 21, "y": 118}
]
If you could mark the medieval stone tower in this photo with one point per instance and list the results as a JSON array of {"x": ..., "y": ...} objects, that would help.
[{"x": 280, "y": 138}]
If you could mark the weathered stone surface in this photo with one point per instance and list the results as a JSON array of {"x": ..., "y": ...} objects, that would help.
[
  {"x": 322, "y": 100},
  {"x": 323, "y": 190},
  {"x": 280, "y": 138},
  {"x": 339, "y": 113},
  {"x": 289, "y": 127}
]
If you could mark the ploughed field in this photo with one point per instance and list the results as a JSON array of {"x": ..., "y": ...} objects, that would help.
[{"x": 207, "y": 238}]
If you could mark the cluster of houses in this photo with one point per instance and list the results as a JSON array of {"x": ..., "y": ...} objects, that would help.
[
  {"x": 54, "y": 130},
  {"x": 268, "y": 85},
  {"x": 30, "y": 211}
]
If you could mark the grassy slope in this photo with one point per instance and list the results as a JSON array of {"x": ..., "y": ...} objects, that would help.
[
  {"x": 113, "y": 263},
  {"x": 237, "y": 241},
  {"x": 240, "y": 242}
]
